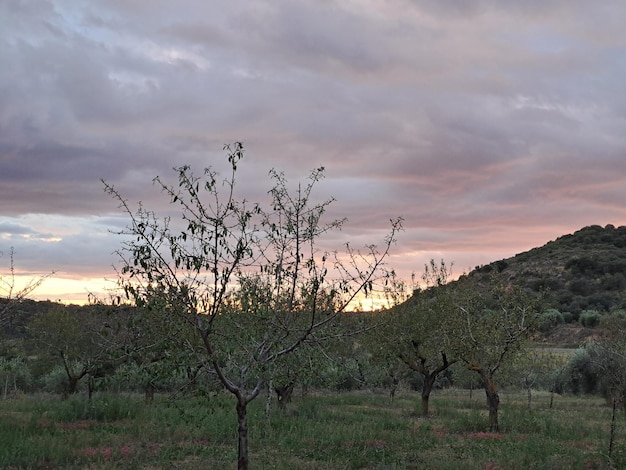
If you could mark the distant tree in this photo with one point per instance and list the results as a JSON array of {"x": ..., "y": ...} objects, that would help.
[
  {"x": 537, "y": 368},
  {"x": 76, "y": 337},
  {"x": 14, "y": 371},
  {"x": 607, "y": 356},
  {"x": 148, "y": 358},
  {"x": 251, "y": 283}
]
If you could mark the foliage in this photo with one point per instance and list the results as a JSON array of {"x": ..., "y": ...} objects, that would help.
[{"x": 599, "y": 367}]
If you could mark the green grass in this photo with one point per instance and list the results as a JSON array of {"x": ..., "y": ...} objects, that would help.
[{"x": 340, "y": 431}]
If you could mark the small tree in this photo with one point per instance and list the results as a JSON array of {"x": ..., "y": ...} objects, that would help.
[
  {"x": 11, "y": 294},
  {"x": 607, "y": 356},
  {"x": 252, "y": 283},
  {"x": 491, "y": 331},
  {"x": 419, "y": 329},
  {"x": 12, "y": 372},
  {"x": 72, "y": 335},
  {"x": 536, "y": 367}
]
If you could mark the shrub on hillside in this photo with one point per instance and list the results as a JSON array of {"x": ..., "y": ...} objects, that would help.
[
  {"x": 589, "y": 318},
  {"x": 549, "y": 319}
]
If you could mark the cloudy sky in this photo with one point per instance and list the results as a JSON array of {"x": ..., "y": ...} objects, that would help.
[{"x": 491, "y": 126}]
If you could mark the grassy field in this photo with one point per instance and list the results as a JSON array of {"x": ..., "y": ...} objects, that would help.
[{"x": 340, "y": 431}]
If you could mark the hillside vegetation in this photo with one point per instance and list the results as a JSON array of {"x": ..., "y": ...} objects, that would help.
[{"x": 580, "y": 272}]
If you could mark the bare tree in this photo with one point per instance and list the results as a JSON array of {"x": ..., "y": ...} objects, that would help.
[
  {"x": 11, "y": 295},
  {"x": 251, "y": 282}
]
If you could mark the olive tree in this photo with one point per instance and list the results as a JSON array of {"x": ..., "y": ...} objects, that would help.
[
  {"x": 607, "y": 358},
  {"x": 493, "y": 324},
  {"x": 250, "y": 280},
  {"x": 418, "y": 330},
  {"x": 76, "y": 337}
]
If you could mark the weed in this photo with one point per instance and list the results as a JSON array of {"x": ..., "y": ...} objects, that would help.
[{"x": 343, "y": 431}]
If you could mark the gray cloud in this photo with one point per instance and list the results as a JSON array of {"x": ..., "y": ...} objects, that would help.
[{"x": 491, "y": 126}]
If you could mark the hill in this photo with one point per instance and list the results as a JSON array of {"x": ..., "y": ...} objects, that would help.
[{"x": 583, "y": 271}]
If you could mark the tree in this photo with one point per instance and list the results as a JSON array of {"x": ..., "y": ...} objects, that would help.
[
  {"x": 537, "y": 367},
  {"x": 607, "y": 356},
  {"x": 75, "y": 336},
  {"x": 148, "y": 359},
  {"x": 12, "y": 371},
  {"x": 492, "y": 327},
  {"x": 251, "y": 283},
  {"x": 418, "y": 332},
  {"x": 11, "y": 295}
]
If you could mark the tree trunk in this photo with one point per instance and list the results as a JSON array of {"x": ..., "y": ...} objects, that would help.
[
  {"x": 149, "y": 393},
  {"x": 90, "y": 386},
  {"x": 493, "y": 402},
  {"x": 530, "y": 397},
  {"x": 268, "y": 408},
  {"x": 429, "y": 382},
  {"x": 284, "y": 394},
  {"x": 72, "y": 385},
  {"x": 395, "y": 381},
  {"x": 612, "y": 435},
  {"x": 242, "y": 432}
]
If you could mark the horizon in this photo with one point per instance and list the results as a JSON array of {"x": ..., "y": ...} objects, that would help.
[{"x": 97, "y": 294}]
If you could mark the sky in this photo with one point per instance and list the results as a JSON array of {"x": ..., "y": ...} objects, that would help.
[{"x": 490, "y": 126}]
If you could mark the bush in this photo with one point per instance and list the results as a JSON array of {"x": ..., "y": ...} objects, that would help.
[
  {"x": 580, "y": 375},
  {"x": 589, "y": 318},
  {"x": 549, "y": 319}
]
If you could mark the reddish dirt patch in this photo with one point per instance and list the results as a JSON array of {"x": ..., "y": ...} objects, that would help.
[
  {"x": 44, "y": 423},
  {"x": 76, "y": 425},
  {"x": 585, "y": 445},
  {"x": 484, "y": 435},
  {"x": 126, "y": 450},
  {"x": 104, "y": 452},
  {"x": 491, "y": 466},
  {"x": 377, "y": 444}
]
